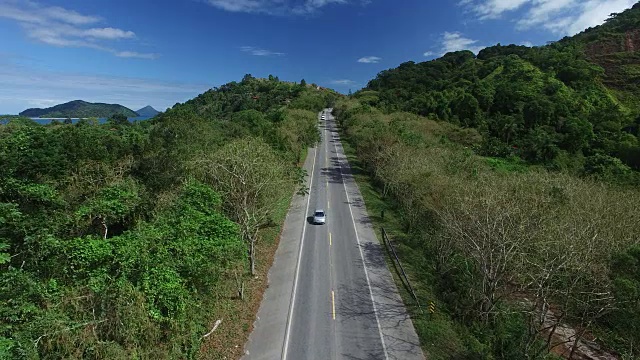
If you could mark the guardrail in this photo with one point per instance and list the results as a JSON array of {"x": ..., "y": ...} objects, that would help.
[{"x": 403, "y": 274}]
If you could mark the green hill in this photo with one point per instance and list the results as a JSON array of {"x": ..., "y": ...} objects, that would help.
[
  {"x": 572, "y": 104},
  {"x": 79, "y": 109},
  {"x": 264, "y": 95}
]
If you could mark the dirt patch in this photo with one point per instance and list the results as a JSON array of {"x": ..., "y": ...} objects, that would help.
[{"x": 564, "y": 338}]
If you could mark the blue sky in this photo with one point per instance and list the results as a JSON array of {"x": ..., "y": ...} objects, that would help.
[{"x": 159, "y": 52}]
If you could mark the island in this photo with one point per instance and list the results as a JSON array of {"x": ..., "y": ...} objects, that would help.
[{"x": 79, "y": 109}]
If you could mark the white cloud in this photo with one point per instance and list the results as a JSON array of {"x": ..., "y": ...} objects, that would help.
[
  {"x": 108, "y": 33},
  {"x": 53, "y": 25},
  {"x": 455, "y": 41},
  {"x": 562, "y": 17},
  {"x": 137, "y": 55},
  {"x": 491, "y": 9},
  {"x": 260, "y": 52},
  {"x": 239, "y": 5},
  {"x": 527, "y": 43},
  {"x": 589, "y": 14},
  {"x": 69, "y": 16},
  {"x": 369, "y": 60},
  {"x": 343, "y": 82},
  {"x": 277, "y": 7},
  {"x": 310, "y": 6},
  {"x": 31, "y": 87}
]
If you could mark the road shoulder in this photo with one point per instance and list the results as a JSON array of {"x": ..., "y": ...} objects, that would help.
[
  {"x": 267, "y": 337},
  {"x": 400, "y": 337}
]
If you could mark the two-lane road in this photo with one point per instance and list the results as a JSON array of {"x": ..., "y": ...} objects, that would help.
[
  {"x": 342, "y": 302},
  {"x": 332, "y": 314}
]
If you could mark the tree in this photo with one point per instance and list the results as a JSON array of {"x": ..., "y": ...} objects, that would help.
[
  {"x": 492, "y": 229},
  {"x": 303, "y": 83},
  {"x": 119, "y": 120},
  {"x": 251, "y": 179},
  {"x": 111, "y": 205},
  {"x": 247, "y": 78}
]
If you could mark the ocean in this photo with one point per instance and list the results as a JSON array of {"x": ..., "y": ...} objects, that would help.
[{"x": 45, "y": 121}]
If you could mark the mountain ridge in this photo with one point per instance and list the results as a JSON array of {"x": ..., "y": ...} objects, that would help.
[{"x": 147, "y": 111}]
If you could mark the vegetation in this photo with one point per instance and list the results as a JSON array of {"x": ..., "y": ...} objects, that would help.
[
  {"x": 507, "y": 251},
  {"x": 80, "y": 109},
  {"x": 122, "y": 240},
  {"x": 549, "y": 105},
  {"x": 509, "y": 181}
]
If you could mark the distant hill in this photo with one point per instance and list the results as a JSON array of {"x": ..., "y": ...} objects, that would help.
[
  {"x": 148, "y": 111},
  {"x": 79, "y": 109}
]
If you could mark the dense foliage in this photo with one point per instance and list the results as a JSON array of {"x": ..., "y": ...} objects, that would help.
[
  {"x": 547, "y": 105},
  {"x": 80, "y": 109},
  {"x": 122, "y": 240},
  {"x": 509, "y": 252}
]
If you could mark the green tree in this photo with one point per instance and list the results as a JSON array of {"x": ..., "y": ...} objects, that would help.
[{"x": 119, "y": 120}]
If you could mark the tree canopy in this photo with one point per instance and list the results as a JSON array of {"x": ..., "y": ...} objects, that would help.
[{"x": 113, "y": 245}]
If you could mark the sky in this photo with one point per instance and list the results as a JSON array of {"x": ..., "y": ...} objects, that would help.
[{"x": 161, "y": 52}]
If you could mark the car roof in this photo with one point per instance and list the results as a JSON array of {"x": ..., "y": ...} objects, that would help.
[{"x": 319, "y": 210}]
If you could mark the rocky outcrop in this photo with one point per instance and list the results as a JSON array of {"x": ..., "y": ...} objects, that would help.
[
  {"x": 627, "y": 43},
  {"x": 619, "y": 56}
]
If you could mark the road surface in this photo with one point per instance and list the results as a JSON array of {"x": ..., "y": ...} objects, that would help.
[{"x": 331, "y": 295}]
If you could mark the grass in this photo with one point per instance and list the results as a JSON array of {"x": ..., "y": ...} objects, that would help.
[
  {"x": 513, "y": 164},
  {"x": 440, "y": 336}
]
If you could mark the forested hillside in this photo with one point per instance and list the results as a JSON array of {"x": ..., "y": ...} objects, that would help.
[
  {"x": 122, "y": 241},
  {"x": 570, "y": 105},
  {"x": 80, "y": 109},
  {"x": 511, "y": 255}
]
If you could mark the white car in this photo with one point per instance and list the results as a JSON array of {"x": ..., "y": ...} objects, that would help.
[{"x": 319, "y": 217}]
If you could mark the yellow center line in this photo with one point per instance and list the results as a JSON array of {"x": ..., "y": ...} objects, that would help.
[{"x": 333, "y": 305}]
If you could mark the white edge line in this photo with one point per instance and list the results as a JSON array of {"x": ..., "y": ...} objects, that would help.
[
  {"x": 366, "y": 273},
  {"x": 292, "y": 302}
]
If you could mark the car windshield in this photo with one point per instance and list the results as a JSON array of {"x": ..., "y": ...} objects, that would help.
[{"x": 319, "y": 213}]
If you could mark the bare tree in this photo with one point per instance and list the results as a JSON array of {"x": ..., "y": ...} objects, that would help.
[
  {"x": 252, "y": 181},
  {"x": 494, "y": 229}
]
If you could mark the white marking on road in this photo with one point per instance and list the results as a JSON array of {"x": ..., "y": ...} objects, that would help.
[
  {"x": 366, "y": 273},
  {"x": 295, "y": 281},
  {"x": 333, "y": 304}
]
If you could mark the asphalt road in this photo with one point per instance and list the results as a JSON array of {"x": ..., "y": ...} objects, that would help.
[{"x": 331, "y": 295}]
